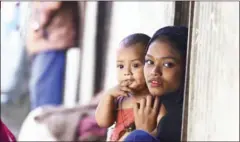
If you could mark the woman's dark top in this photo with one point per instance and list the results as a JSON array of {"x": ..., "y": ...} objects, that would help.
[{"x": 169, "y": 127}]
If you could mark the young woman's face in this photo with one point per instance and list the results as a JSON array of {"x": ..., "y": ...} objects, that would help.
[{"x": 163, "y": 69}]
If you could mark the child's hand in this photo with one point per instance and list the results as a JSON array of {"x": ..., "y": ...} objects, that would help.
[
  {"x": 146, "y": 113},
  {"x": 120, "y": 90}
]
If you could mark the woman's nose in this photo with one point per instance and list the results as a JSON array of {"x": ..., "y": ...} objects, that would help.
[{"x": 156, "y": 71}]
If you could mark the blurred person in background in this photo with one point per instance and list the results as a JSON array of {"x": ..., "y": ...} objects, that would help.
[
  {"x": 53, "y": 28},
  {"x": 51, "y": 32},
  {"x": 14, "y": 62}
]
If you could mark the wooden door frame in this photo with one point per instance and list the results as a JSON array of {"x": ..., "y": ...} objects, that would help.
[
  {"x": 102, "y": 38},
  {"x": 184, "y": 14}
]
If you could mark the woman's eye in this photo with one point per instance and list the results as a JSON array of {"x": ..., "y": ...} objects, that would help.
[
  {"x": 120, "y": 66},
  {"x": 168, "y": 65},
  {"x": 149, "y": 62}
]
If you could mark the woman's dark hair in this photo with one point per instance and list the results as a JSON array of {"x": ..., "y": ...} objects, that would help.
[
  {"x": 176, "y": 36},
  {"x": 137, "y": 38}
]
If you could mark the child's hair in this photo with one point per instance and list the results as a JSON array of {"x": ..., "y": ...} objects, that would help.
[
  {"x": 137, "y": 38},
  {"x": 176, "y": 36}
]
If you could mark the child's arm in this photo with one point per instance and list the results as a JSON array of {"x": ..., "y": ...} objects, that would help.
[{"x": 105, "y": 113}]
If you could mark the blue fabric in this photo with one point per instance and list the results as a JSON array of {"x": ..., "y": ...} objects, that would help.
[
  {"x": 47, "y": 78},
  {"x": 140, "y": 136}
]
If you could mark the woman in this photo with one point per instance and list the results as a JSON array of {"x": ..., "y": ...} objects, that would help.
[{"x": 164, "y": 72}]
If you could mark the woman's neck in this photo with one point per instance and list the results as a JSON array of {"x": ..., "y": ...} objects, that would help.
[{"x": 140, "y": 94}]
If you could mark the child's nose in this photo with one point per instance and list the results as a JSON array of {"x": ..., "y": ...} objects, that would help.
[{"x": 127, "y": 72}]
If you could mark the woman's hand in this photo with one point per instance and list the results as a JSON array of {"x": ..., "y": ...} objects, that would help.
[{"x": 146, "y": 113}]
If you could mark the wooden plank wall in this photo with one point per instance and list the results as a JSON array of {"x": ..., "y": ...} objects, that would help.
[{"x": 213, "y": 95}]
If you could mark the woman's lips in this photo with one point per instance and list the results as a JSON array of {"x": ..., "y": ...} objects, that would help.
[{"x": 155, "y": 83}]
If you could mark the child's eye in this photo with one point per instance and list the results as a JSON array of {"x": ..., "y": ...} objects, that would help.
[
  {"x": 120, "y": 66},
  {"x": 168, "y": 65},
  {"x": 136, "y": 65},
  {"x": 149, "y": 62}
]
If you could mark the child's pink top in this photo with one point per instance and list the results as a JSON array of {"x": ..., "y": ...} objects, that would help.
[{"x": 125, "y": 118}]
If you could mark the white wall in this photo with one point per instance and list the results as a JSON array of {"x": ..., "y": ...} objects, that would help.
[{"x": 132, "y": 17}]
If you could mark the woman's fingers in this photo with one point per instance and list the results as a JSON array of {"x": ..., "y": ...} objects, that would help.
[
  {"x": 156, "y": 104},
  {"x": 135, "y": 109},
  {"x": 149, "y": 102},
  {"x": 144, "y": 116},
  {"x": 142, "y": 104}
]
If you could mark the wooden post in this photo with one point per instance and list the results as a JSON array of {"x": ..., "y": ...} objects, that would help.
[
  {"x": 213, "y": 86},
  {"x": 88, "y": 53}
]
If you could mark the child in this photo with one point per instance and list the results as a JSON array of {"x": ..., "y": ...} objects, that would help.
[{"x": 117, "y": 103}]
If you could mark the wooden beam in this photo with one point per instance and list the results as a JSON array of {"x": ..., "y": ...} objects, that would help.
[
  {"x": 181, "y": 16},
  {"x": 186, "y": 87}
]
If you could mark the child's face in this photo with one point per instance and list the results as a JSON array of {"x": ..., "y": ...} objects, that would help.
[
  {"x": 130, "y": 62},
  {"x": 163, "y": 68}
]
